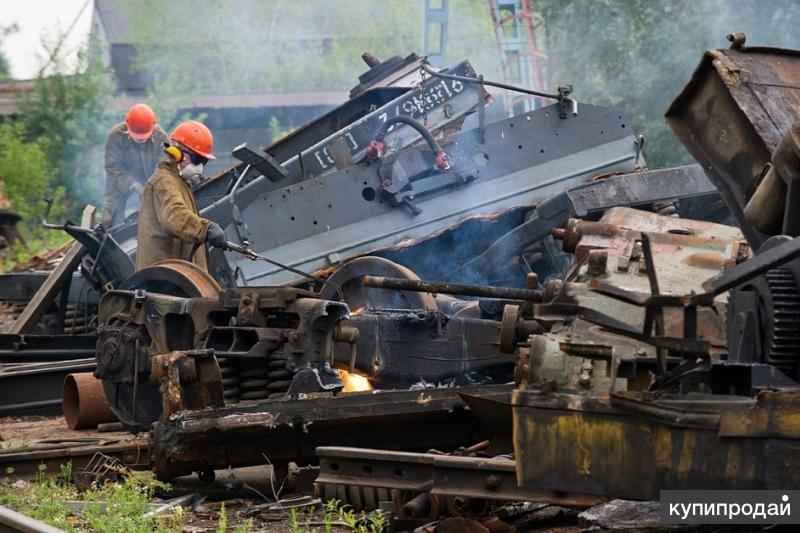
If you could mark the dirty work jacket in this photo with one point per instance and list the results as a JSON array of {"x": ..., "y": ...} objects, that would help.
[
  {"x": 169, "y": 225},
  {"x": 127, "y": 162}
]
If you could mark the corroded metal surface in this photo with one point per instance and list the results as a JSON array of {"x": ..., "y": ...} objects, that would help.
[
  {"x": 574, "y": 442},
  {"x": 290, "y": 430},
  {"x": 84, "y": 402},
  {"x": 174, "y": 277},
  {"x": 466, "y": 477},
  {"x": 732, "y": 114},
  {"x": 613, "y": 277}
]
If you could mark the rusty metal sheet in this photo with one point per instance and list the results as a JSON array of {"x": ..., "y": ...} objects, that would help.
[
  {"x": 732, "y": 114},
  {"x": 776, "y": 414},
  {"x": 573, "y": 442},
  {"x": 290, "y": 429},
  {"x": 609, "y": 253}
]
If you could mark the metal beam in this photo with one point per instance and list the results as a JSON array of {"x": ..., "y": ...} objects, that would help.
[{"x": 471, "y": 477}]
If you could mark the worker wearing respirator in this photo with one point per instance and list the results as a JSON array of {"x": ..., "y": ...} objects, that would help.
[
  {"x": 169, "y": 224},
  {"x": 132, "y": 151}
]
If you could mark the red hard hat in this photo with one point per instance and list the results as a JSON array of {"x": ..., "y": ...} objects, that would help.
[
  {"x": 141, "y": 122},
  {"x": 196, "y": 137}
]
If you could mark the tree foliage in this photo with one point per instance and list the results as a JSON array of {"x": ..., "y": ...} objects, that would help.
[
  {"x": 25, "y": 172},
  {"x": 637, "y": 54},
  {"x": 5, "y": 69},
  {"x": 54, "y": 148},
  {"x": 68, "y": 115}
]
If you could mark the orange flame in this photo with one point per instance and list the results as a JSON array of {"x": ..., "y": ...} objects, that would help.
[{"x": 354, "y": 382}]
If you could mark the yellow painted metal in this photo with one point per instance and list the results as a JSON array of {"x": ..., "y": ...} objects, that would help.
[{"x": 581, "y": 443}]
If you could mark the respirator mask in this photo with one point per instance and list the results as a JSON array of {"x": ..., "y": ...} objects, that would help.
[{"x": 191, "y": 171}]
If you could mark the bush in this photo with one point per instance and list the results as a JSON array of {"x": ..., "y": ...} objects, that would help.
[
  {"x": 68, "y": 117},
  {"x": 27, "y": 177}
]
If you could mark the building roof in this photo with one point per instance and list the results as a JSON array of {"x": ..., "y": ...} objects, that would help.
[
  {"x": 111, "y": 15},
  {"x": 12, "y": 89},
  {"x": 253, "y": 100}
]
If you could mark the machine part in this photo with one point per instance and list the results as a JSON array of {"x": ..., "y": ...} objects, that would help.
[
  {"x": 17, "y": 349},
  {"x": 480, "y": 478},
  {"x": 264, "y": 163},
  {"x": 453, "y": 288},
  {"x": 398, "y": 348},
  {"x": 174, "y": 277},
  {"x": 283, "y": 341},
  {"x": 771, "y": 208},
  {"x": 245, "y": 250},
  {"x": 84, "y": 402},
  {"x": 291, "y": 144},
  {"x": 35, "y": 388},
  {"x": 661, "y": 262},
  {"x": 545, "y": 361},
  {"x": 46, "y": 294},
  {"x": 377, "y": 146},
  {"x": 306, "y": 152},
  {"x": 701, "y": 442},
  {"x": 782, "y": 253},
  {"x": 56, "y": 281},
  {"x": 350, "y": 275},
  {"x": 189, "y": 380},
  {"x": 124, "y": 342},
  {"x": 754, "y": 97},
  {"x": 765, "y": 209},
  {"x": 342, "y": 201},
  {"x": 562, "y": 94},
  {"x": 270, "y": 341},
  {"x": 430, "y": 98},
  {"x": 285, "y": 431},
  {"x": 630, "y": 190},
  {"x": 763, "y": 321},
  {"x": 405, "y": 175},
  {"x": 105, "y": 265}
]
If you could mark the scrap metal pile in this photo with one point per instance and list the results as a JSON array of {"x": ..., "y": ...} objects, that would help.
[{"x": 578, "y": 309}]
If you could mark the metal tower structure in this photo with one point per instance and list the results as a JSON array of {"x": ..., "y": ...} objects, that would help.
[
  {"x": 434, "y": 31},
  {"x": 521, "y": 57}
]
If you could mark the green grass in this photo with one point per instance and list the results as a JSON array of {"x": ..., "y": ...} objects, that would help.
[
  {"x": 336, "y": 514},
  {"x": 47, "y": 498},
  {"x": 125, "y": 507}
]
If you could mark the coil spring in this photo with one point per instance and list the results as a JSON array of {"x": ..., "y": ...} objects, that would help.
[
  {"x": 230, "y": 380},
  {"x": 253, "y": 379}
]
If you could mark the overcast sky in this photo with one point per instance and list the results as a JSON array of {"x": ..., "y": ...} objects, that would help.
[{"x": 35, "y": 18}]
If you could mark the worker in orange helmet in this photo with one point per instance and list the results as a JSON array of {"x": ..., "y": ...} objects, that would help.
[
  {"x": 133, "y": 149},
  {"x": 169, "y": 224}
]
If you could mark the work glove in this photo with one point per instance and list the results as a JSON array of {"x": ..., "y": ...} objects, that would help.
[
  {"x": 137, "y": 187},
  {"x": 215, "y": 236}
]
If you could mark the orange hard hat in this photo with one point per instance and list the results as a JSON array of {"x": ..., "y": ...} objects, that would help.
[
  {"x": 141, "y": 122},
  {"x": 196, "y": 137}
]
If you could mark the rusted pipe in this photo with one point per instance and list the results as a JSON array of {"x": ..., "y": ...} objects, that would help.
[
  {"x": 772, "y": 208},
  {"x": 84, "y": 402},
  {"x": 486, "y": 291}
]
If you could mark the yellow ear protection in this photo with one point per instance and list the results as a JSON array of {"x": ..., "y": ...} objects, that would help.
[{"x": 173, "y": 152}]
